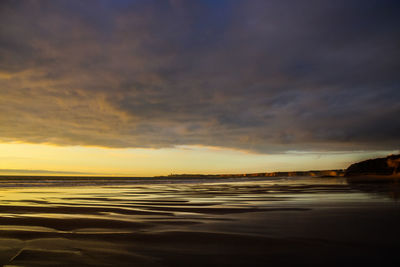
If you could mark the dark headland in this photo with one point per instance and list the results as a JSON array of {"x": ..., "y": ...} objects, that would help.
[{"x": 375, "y": 170}]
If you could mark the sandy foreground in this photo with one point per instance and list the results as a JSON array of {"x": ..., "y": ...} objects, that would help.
[{"x": 280, "y": 222}]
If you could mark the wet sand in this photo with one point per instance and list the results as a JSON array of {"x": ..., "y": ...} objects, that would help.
[{"x": 285, "y": 222}]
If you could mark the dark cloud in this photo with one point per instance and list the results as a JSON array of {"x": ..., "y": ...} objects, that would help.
[{"x": 266, "y": 76}]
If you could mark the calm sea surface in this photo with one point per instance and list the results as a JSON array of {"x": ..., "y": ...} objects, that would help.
[{"x": 197, "y": 222}]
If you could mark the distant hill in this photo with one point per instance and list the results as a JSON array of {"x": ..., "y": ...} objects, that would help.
[
  {"x": 324, "y": 173},
  {"x": 385, "y": 167}
]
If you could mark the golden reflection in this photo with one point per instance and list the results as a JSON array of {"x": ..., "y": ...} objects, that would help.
[{"x": 102, "y": 224}]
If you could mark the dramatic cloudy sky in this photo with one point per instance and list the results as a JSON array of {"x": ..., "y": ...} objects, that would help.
[{"x": 264, "y": 77}]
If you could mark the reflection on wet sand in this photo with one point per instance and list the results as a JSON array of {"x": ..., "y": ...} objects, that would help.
[
  {"x": 388, "y": 188},
  {"x": 256, "y": 223}
]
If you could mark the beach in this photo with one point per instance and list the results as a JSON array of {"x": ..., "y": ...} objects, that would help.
[{"x": 298, "y": 221}]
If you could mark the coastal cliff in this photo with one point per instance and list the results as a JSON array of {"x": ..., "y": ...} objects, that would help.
[
  {"x": 375, "y": 170},
  {"x": 317, "y": 173},
  {"x": 379, "y": 176},
  {"x": 381, "y": 166}
]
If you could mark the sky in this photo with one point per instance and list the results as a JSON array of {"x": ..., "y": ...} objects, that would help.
[{"x": 147, "y": 87}]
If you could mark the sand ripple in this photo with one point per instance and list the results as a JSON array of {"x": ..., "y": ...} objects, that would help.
[{"x": 197, "y": 224}]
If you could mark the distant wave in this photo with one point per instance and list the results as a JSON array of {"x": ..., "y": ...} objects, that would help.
[{"x": 40, "y": 181}]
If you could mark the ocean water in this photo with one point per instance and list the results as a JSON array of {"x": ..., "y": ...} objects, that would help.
[
  {"x": 43, "y": 181},
  {"x": 197, "y": 222}
]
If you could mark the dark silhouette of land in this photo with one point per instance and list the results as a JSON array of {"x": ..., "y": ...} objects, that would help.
[
  {"x": 375, "y": 170},
  {"x": 319, "y": 173}
]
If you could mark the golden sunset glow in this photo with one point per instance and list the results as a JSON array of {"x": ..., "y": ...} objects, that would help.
[{"x": 42, "y": 159}]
